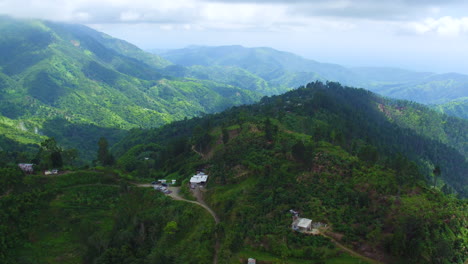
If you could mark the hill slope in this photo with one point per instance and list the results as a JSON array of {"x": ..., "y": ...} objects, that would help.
[
  {"x": 341, "y": 156},
  {"x": 283, "y": 71},
  {"x": 54, "y": 71},
  {"x": 457, "y": 108}
]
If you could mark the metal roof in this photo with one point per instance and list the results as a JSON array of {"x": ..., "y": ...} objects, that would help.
[
  {"x": 199, "y": 178},
  {"x": 304, "y": 223}
]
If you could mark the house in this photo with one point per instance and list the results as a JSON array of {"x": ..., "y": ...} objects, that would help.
[
  {"x": 302, "y": 224},
  {"x": 50, "y": 172},
  {"x": 26, "y": 167},
  {"x": 199, "y": 178}
]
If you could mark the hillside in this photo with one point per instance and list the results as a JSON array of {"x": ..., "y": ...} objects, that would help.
[
  {"x": 458, "y": 108},
  {"x": 52, "y": 71},
  {"x": 284, "y": 71},
  {"x": 341, "y": 156},
  {"x": 95, "y": 217}
]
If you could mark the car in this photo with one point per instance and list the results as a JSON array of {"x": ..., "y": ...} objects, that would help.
[
  {"x": 154, "y": 183},
  {"x": 164, "y": 184}
]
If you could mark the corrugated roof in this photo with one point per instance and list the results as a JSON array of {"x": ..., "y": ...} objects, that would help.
[
  {"x": 304, "y": 223},
  {"x": 199, "y": 178}
]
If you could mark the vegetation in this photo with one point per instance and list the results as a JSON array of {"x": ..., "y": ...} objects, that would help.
[
  {"x": 388, "y": 177},
  {"x": 60, "y": 80},
  {"x": 283, "y": 71},
  {"x": 458, "y": 108},
  {"x": 336, "y": 155},
  {"x": 90, "y": 217}
]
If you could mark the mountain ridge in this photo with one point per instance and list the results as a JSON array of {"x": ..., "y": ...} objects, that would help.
[
  {"x": 291, "y": 70},
  {"x": 52, "y": 70}
]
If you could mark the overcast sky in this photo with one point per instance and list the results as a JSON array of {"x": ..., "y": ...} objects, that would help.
[{"x": 424, "y": 35}]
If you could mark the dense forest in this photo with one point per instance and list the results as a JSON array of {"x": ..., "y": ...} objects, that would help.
[
  {"x": 99, "y": 119},
  {"x": 386, "y": 186},
  {"x": 281, "y": 71},
  {"x": 339, "y": 155},
  {"x": 62, "y": 80}
]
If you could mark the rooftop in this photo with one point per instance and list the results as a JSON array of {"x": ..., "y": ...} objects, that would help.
[
  {"x": 304, "y": 223},
  {"x": 199, "y": 178}
]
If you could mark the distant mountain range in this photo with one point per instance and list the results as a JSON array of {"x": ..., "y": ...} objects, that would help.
[
  {"x": 282, "y": 71},
  {"x": 55, "y": 71},
  {"x": 76, "y": 84}
]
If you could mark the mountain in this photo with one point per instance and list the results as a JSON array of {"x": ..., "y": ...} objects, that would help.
[
  {"x": 362, "y": 164},
  {"x": 284, "y": 71},
  {"x": 458, "y": 107},
  {"x": 267, "y": 63},
  {"x": 54, "y": 71},
  {"x": 379, "y": 181}
]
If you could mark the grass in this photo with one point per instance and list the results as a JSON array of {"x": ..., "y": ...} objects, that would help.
[
  {"x": 58, "y": 238},
  {"x": 263, "y": 256}
]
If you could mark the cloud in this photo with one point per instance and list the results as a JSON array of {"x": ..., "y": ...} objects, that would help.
[
  {"x": 395, "y": 10},
  {"x": 445, "y": 26},
  {"x": 105, "y": 11}
]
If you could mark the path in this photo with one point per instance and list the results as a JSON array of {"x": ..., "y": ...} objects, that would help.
[
  {"x": 175, "y": 194},
  {"x": 199, "y": 153},
  {"x": 350, "y": 251}
]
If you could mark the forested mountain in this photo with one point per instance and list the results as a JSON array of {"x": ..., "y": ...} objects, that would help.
[
  {"x": 457, "y": 107},
  {"x": 73, "y": 74},
  {"x": 373, "y": 168},
  {"x": 284, "y": 71},
  {"x": 387, "y": 177}
]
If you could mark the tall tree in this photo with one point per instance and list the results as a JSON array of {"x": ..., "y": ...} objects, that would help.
[
  {"x": 103, "y": 155},
  {"x": 50, "y": 154},
  {"x": 437, "y": 173}
]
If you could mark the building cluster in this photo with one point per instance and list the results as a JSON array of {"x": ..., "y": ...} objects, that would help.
[
  {"x": 26, "y": 167},
  {"x": 161, "y": 185},
  {"x": 198, "y": 179}
]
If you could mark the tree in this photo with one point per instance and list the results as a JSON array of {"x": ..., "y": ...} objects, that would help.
[
  {"x": 171, "y": 228},
  {"x": 225, "y": 135},
  {"x": 104, "y": 157},
  {"x": 70, "y": 155},
  {"x": 298, "y": 151},
  {"x": 437, "y": 173},
  {"x": 50, "y": 154},
  {"x": 270, "y": 130}
]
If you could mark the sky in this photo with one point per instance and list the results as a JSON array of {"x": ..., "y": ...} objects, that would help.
[{"x": 421, "y": 35}]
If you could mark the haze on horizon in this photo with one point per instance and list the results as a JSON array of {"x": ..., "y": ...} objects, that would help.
[{"x": 422, "y": 35}]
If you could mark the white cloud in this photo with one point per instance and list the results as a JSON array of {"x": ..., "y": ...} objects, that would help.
[
  {"x": 446, "y": 26},
  {"x": 130, "y": 16}
]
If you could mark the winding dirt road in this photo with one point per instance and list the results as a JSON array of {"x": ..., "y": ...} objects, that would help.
[{"x": 175, "y": 194}]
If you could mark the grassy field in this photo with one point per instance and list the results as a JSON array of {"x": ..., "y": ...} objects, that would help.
[
  {"x": 263, "y": 257},
  {"x": 58, "y": 236}
]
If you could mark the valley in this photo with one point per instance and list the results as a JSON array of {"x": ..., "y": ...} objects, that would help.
[{"x": 274, "y": 132}]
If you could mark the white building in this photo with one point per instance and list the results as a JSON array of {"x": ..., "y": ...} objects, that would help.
[
  {"x": 199, "y": 178},
  {"x": 302, "y": 224}
]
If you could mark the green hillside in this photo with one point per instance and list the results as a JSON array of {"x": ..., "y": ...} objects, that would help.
[
  {"x": 385, "y": 178},
  {"x": 94, "y": 217},
  {"x": 458, "y": 108},
  {"x": 362, "y": 164},
  {"x": 51, "y": 71},
  {"x": 267, "y": 63},
  {"x": 284, "y": 71}
]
